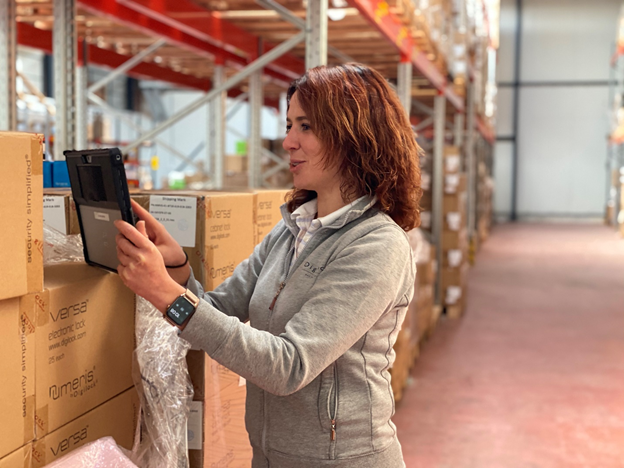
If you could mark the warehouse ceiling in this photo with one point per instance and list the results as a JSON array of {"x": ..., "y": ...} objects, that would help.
[{"x": 200, "y": 33}]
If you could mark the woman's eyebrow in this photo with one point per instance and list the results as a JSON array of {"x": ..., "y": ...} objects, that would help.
[{"x": 297, "y": 119}]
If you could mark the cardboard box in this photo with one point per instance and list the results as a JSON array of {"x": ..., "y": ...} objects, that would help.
[
  {"x": 267, "y": 211},
  {"x": 85, "y": 341},
  {"x": 60, "y": 174},
  {"x": 56, "y": 209},
  {"x": 425, "y": 273},
  {"x": 116, "y": 418},
  {"x": 17, "y": 373},
  {"x": 235, "y": 163},
  {"x": 236, "y": 180},
  {"x": 455, "y": 203},
  {"x": 455, "y": 276},
  {"x": 424, "y": 310},
  {"x": 225, "y": 234},
  {"x": 455, "y": 239},
  {"x": 455, "y": 183},
  {"x": 21, "y": 207},
  {"x": 452, "y": 160},
  {"x": 426, "y": 202},
  {"x": 21, "y": 458},
  {"x": 220, "y": 395},
  {"x": 454, "y": 221},
  {"x": 215, "y": 229}
]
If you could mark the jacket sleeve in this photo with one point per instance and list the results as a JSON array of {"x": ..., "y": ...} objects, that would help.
[
  {"x": 233, "y": 295},
  {"x": 369, "y": 277}
]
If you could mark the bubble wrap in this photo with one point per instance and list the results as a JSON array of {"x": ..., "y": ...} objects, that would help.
[
  {"x": 60, "y": 248},
  {"x": 162, "y": 380},
  {"x": 103, "y": 453}
]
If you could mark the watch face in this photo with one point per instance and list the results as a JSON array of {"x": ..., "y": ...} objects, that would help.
[{"x": 180, "y": 310}]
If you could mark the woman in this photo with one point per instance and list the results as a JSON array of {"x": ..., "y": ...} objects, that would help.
[{"x": 326, "y": 291}]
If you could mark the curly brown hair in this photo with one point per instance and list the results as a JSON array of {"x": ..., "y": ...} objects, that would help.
[{"x": 364, "y": 129}]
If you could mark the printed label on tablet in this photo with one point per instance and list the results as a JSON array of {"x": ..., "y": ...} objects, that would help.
[{"x": 101, "y": 216}]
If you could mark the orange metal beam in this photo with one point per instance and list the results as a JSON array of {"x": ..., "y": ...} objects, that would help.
[
  {"x": 202, "y": 24},
  {"x": 378, "y": 14},
  {"x": 119, "y": 13},
  {"x": 30, "y": 36}
]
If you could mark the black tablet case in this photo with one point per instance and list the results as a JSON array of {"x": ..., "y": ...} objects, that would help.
[{"x": 100, "y": 191}]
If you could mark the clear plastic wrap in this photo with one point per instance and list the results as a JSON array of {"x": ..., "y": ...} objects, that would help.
[
  {"x": 60, "y": 248},
  {"x": 162, "y": 380},
  {"x": 103, "y": 453}
]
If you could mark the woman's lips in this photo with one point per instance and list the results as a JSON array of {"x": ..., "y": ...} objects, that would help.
[{"x": 294, "y": 165}]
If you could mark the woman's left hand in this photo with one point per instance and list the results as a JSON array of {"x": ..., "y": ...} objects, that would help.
[{"x": 142, "y": 268}]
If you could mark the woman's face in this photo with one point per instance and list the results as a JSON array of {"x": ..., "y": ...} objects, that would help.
[{"x": 306, "y": 153}]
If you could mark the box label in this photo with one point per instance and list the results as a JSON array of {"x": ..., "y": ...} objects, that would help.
[
  {"x": 54, "y": 213},
  {"x": 178, "y": 215}
]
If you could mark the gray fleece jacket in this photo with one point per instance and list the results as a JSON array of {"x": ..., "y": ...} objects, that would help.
[{"x": 317, "y": 354}]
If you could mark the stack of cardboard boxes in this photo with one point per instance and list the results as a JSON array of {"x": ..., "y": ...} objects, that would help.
[
  {"x": 420, "y": 318},
  {"x": 485, "y": 207},
  {"x": 454, "y": 234},
  {"x": 218, "y": 231},
  {"x": 617, "y": 184},
  {"x": 66, "y": 333}
]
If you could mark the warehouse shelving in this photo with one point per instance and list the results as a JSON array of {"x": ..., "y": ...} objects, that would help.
[
  {"x": 615, "y": 148},
  {"x": 251, "y": 50},
  {"x": 614, "y": 212}
]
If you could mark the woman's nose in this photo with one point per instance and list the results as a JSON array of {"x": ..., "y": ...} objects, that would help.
[{"x": 290, "y": 142}]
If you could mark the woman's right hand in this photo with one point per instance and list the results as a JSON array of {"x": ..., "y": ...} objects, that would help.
[{"x": 168, "y": 247}]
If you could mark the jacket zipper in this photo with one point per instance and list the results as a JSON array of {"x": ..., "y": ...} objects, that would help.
[
  {"x": 279, "y": 290},
  {"x": 332, "y": 416}
]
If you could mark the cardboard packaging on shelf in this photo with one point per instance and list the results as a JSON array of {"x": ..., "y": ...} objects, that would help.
[
  {"x": 219, "y": 233},
  {"x": 220, "y": 411},
  {"x": 85, "y": 340},
  {"x": 17, "y": 373},
  {"x": 21, "y": 206},
  {"x": 116, "y": 417},
  {"x": 20, "y": 458},
  {"x": 267, "y": 211},
  {"x": 215, "y": 229}
]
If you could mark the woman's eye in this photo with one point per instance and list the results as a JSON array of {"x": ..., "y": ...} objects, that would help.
[
  {"x": 288, "y": 127},
  {"x": 305, "y": 127}
]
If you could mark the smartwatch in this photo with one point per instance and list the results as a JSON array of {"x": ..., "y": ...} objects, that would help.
[{"x": 182, "y": 309}]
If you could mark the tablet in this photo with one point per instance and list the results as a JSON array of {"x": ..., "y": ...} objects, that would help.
[{"x": 100, "y": 190}]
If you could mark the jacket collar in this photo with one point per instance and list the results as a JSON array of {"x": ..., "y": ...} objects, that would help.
[{"x": 354, "y": 213}]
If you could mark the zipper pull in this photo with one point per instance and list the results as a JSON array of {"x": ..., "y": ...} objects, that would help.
[
  {"x": 281, "y": 286},
  {"x": 333, "y": 430}
]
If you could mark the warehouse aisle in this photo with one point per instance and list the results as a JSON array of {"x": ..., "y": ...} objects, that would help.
[{"x": 533, "y": 375}]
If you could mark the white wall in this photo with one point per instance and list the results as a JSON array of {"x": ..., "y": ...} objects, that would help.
[{"x": 562, "y": 129}]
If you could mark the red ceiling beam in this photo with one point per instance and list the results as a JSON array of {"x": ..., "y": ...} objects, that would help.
[
  {"x": 201, "y": 23},
  {"x": 121, "y": 14},
  {"x": 378, "y": 14},
  {"x": 30, "y": 36}
]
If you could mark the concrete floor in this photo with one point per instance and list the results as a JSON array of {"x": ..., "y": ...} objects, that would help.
[{"x": 533, "y": 375}]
